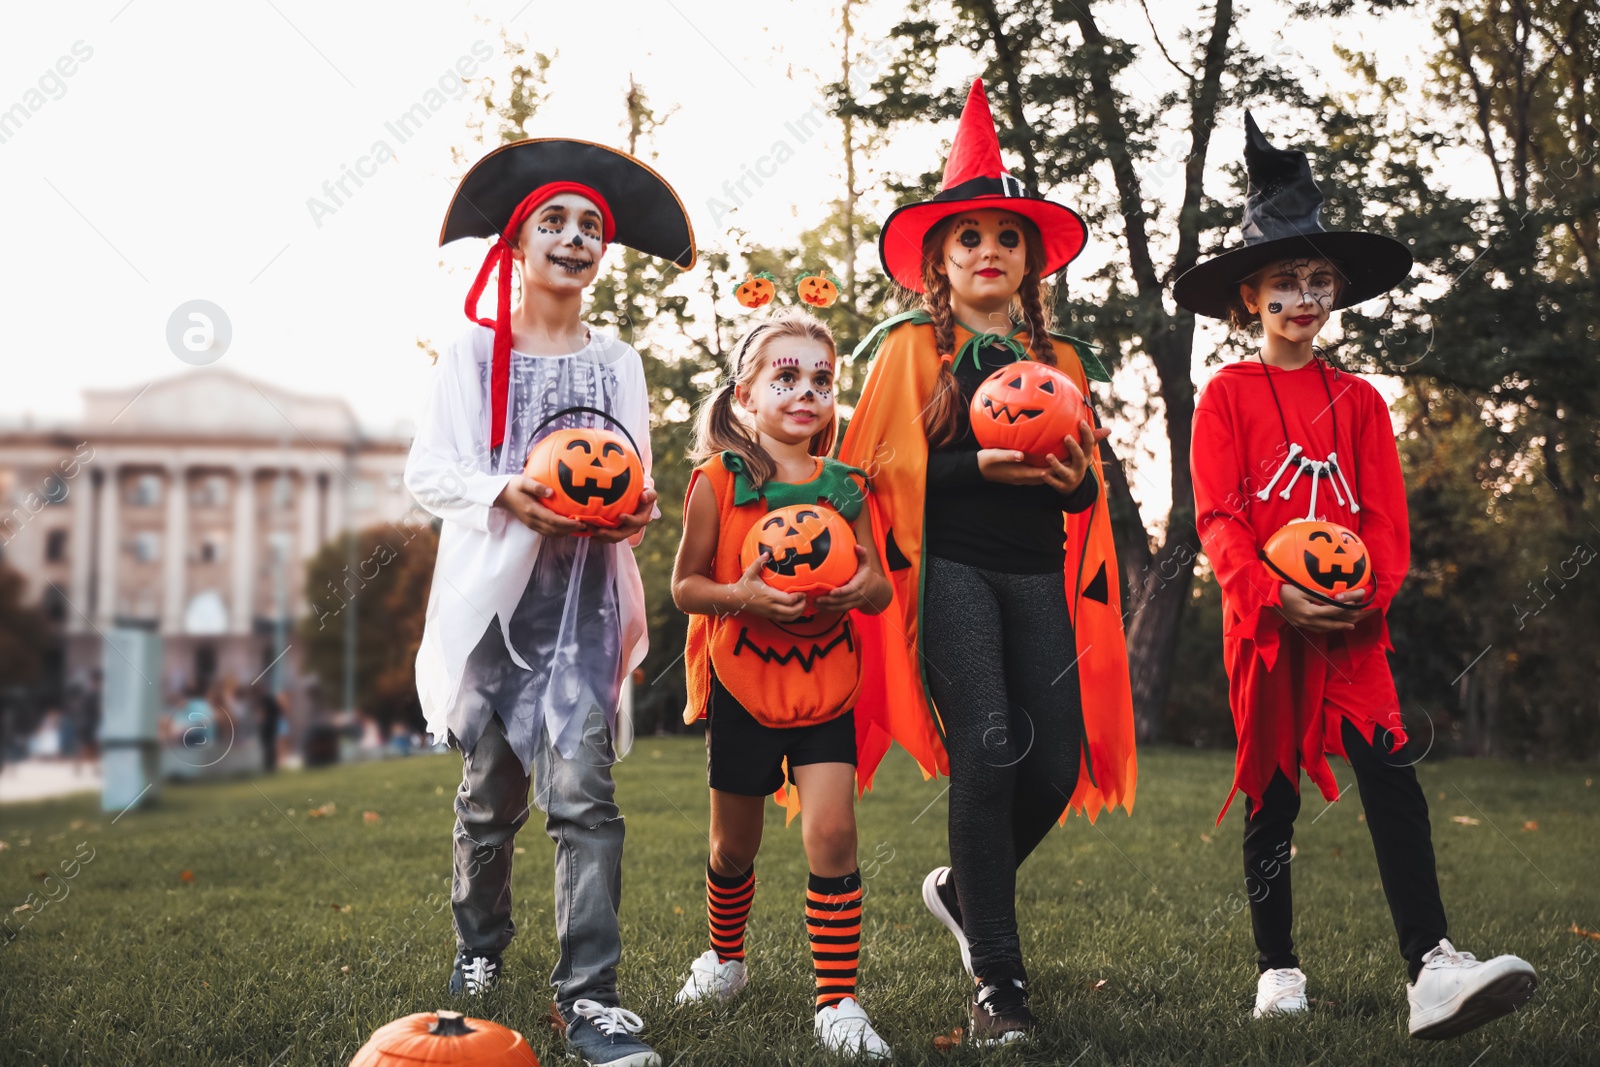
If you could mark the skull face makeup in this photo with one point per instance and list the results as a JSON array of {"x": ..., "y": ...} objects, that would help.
[
  {"x": 561, "y": 244},
  {"x": 1293, "y": 297}
]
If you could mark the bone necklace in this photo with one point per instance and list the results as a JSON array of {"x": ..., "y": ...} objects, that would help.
[{"x": 1303, "y": 464}]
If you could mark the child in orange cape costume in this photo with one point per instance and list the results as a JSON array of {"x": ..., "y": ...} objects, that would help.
[{"x": 1040, "y": 539}]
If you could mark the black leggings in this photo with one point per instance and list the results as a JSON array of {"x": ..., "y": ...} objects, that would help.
[
  {"x": 1397, "y": 818},
  {"x": 999, "y": 658}
]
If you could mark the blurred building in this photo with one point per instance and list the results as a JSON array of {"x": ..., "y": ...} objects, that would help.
[{"x": 190, "y": 506}]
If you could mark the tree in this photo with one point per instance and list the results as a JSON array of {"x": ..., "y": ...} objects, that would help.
[{"x": 387, "y": 588}]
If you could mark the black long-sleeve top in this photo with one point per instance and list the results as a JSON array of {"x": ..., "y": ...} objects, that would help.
[{"x": 1015, "y": 529}]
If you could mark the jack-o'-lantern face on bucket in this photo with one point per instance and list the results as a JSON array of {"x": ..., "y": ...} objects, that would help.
[
  {"x": 810, "y": 549},
  {"x": 1030, "y": 407},
  {"x": 596, "y": 475},
  {"x": 1321, "y": 559}
]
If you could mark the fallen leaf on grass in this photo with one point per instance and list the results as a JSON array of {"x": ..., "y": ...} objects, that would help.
[
  {"x": 942, "y": 1042},
  {"x": 345, "y": 969},
  {"x": 517, "y": 850},
  {"x": 1530, "y": 826},
  {"x": 324, "y": 811},
  {"x": 39, "y": 876},
  {"x": 1581, "y": 932},
  {"x": 1098, "y": 985},
  {"x": 438, "y": 790},
  {"x": 1464, "y": 820},
  {"x": 187, "y": 877},
  {"x": 1206, "y": 838},
  {"x": 340, "y": 907},
  {"x": 20, "y": 908},
  {"x": 676, "y": 910},
  {"x": 75, "y": 824},
  {"x": 371, "y": 816},
  {"x": 557, "y": 1021},
  {"x": 3, "y": 846}
]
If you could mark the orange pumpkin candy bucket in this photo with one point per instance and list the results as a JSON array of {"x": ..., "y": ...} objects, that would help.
[
  {"x": 444, "y": 1037},
  {"x": 811, "y": 547},
  {"x": 595, "y": 475},
  {"x": 1029, "y": 407},
  {"x": 1321, "y": 559}
]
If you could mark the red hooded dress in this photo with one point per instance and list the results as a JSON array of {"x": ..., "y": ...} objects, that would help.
[{"x": 1289, "y": 689}]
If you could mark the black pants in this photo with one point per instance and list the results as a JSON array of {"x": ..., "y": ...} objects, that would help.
[
  {"x": 1000, "y": 662},
  {"x": 1397, "y": 818}
]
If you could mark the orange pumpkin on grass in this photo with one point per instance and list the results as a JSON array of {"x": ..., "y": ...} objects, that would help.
[
  {"x": 1321, "y": 559},
  {"x": 444, "y": 1037},
  {"x": 1030, "y": 407}
]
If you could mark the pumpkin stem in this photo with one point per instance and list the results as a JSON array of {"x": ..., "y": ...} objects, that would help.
[{"x": 450, "y": 1024}]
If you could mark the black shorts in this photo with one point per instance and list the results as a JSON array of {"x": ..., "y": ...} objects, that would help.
[{"x": 746, "y": 756}]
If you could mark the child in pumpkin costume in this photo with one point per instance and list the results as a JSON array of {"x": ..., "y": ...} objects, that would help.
[
  {"x": 1286, "y": 437},
  {"x": 776, "y": 674},
  {"x": 1001, "y": 660},
  {"x": 534, "y": 619}
]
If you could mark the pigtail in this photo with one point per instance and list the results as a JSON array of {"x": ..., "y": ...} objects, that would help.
[
  {"x": 1034, "y": 316},
  {"x": 939, "y": 419},
  {"x": 719, "y": 430}
]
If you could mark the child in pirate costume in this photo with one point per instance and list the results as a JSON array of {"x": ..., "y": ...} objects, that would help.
[
  {"x": 1001, "y": 659},
  {"x": 534, "y": 619},
  {"x": 776, "y": 673},
  {"x": 1283, "y": 437}
]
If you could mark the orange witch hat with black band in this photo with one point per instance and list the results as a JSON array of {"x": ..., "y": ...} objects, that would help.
[
  {"x": 640, "y": 210},
  {"x": 975, "y": 179}
]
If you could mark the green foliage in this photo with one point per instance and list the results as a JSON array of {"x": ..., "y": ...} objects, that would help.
[{"x": 381, "y": 577}]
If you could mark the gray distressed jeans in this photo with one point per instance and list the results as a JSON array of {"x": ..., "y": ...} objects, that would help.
[{"x": 578, "y": 797}]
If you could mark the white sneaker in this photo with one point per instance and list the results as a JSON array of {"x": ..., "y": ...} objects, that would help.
[
  {"x": 845, "y": 1028},
  {"x": 935, "y": 904},
  {"x": 710, "y": 978},
  {"x": 1455, "y": 992},
  {"x": 1280, "y": 991}
]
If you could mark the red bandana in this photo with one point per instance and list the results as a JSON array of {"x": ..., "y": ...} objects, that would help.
[{"x": 499, "y": 256}]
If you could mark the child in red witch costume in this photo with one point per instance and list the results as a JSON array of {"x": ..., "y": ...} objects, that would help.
[
  {"x": 1287, "y": 437},
  {"x": 1006, "y": 597}
]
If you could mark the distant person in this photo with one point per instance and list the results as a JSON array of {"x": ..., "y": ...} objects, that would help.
[
  {"x": 1288, "y": 438},
  {"x": 271, "y": 718}
]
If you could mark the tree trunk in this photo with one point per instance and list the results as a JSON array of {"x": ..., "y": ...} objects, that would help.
[{"x": 1153, "y": 620}]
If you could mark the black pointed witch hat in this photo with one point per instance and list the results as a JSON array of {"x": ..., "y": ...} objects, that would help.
[{"x": 1282, "y": 221}]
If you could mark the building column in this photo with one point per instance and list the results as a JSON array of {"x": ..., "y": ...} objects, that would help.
[
  {"x": 242, "y": 603},
  {"x": 338, "y": 504},
  {"x": 80, "y": 545},
  {"x": 105, "y": 587},
  {"x": 310, "y": 514},
  {"x": 176, "y": 549}
]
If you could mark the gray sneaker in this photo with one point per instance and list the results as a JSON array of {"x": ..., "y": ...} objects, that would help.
[{"x": 602, "y": 1034}]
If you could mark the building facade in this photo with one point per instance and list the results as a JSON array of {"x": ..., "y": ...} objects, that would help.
[{"x": 191, "y": 506}]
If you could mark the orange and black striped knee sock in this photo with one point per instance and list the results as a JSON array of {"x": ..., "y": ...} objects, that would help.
[
  {"x": 728, "y": 904},
  {"x": 833, "y": 925}
]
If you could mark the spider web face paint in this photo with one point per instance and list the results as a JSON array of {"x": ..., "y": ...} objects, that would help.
[{"x": 1299, "y": 282}]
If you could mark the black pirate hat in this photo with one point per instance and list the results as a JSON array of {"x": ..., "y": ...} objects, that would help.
[{"x": 1281, "y": 221}]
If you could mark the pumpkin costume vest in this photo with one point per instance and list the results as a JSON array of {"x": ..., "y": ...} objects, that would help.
[{"x": 784, "y": 674}]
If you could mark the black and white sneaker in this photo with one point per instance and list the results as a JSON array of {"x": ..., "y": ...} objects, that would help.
[
  {"x": 939, "y": 897},
  {"x": 1000, "y": 1010},
  {"x": 474, "y": 975}
]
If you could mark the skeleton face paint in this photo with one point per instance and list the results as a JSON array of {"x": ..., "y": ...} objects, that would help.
[{"x": 563, "y": 246}]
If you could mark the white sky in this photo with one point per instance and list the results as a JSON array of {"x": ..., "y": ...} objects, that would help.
[{"x": 176, "y": 162}]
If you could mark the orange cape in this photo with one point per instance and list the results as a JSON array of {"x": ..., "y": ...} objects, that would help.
[{"x": 885, "y": 438}]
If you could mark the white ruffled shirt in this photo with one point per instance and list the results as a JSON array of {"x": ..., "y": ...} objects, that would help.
[{"x": 485, "y": 555}]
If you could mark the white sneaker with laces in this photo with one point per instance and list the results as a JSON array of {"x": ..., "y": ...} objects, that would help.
[
  {"x": 935, "y": 904},
  {"x": 845, "y": 1028},
  {"x": 708, "y": 977},
  {"x": 1280, "y": 991},
  {"x": 1456, "y": 992}
]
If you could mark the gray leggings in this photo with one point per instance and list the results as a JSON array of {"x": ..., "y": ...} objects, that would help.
[{"x": 999, "y": 658}]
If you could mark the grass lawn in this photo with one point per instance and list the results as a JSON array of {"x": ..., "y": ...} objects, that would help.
[{"x": 296, "y": 935}]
